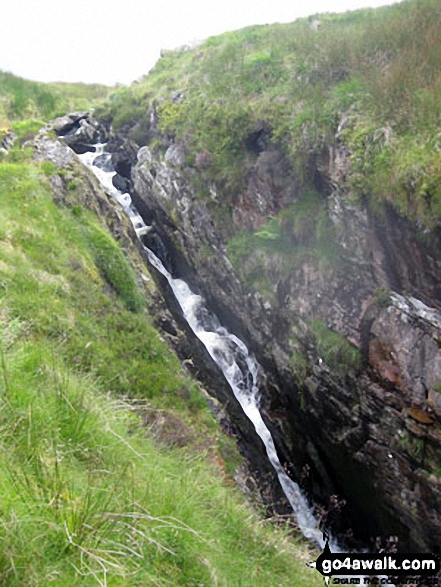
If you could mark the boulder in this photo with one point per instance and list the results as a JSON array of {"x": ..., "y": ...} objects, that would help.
[
  {"x": 175, "y": 156},
  {"x": 50, "y": 149},
  {"x": 7, "y": 141},
  {"x": 84, "y": 136},
  {"x": 145, "y": 156},
  {"x": 125, "y": 157},
  {"x": 121, "y": 183},
  {"x": 104, "y": 162},
  {"x": 66, "y": 124}
]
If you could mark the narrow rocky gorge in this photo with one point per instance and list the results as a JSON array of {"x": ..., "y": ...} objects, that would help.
[{"x": 359, "y": 429}]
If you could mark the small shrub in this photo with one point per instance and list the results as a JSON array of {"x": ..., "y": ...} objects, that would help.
[
  {"x": 382, "y": 297},
  {"x": 72, "y": 185},
  {"x": 169, "y": 115},
  {"x": 48, "y": 168}
]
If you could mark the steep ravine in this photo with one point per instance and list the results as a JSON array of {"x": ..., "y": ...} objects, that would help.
[
  {"x": 162, "y": 305},
  {"x": 370, "y": 432}
]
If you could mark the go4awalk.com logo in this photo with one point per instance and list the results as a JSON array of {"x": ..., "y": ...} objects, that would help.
[{"x": 376, "y": 569}]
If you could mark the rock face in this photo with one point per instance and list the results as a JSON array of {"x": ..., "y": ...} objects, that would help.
[
  {"x": 7, "y": 141},
  {"x": 404, "y": 345},
  {"x": 369, "y": 431},
  {"x": 349, "y": 348}
]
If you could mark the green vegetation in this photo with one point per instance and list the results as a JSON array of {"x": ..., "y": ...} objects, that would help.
[
  {"x": 382, "y": 297},
  {"x": 114, "y": 267},
  {"x": 87, "y": 499},
  {"x": 335, "y": 350},
  {"x": 22, "y": 100},
  {"x": 89, "y": 496},
  {"x": 376, "y": 70},
  {"x": 301, "y": 233},
  {"x": 299, "y": 365}
]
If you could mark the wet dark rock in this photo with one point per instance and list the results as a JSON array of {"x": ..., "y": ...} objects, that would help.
[
  {"x": 167, "y": 326},
  {"x": 68, "y": 123},
  {"x": 103, "y": 162},
  {"x": 124, "y": 156},
  {"x": 80, "y": 148},
  {"x": 272, "y": 187},
  {"x": 121, "y": 183},
  {"x": 80, "y": 130},
  {"x": 85, "y": 135}
]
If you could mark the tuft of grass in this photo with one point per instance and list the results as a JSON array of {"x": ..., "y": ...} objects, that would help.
[
  {"x": 114, "y": 267},
  {"x": 26, "y": 129},
  {"x": 335, "y": 350}
]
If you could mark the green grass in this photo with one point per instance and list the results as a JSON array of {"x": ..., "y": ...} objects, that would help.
[
  {"x": 89, "y": 496},
  {"x": 87, "y": 499},
  {"x": 114, "y": 267},
  {"x": 55, "y": 259},
  {"x": 335, "y": 350},
  {"x": 22, "y": 100},
  {"x": 301, "y": 233}
]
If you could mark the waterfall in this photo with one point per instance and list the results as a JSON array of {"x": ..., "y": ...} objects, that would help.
[{"x": 229, "y": 352}]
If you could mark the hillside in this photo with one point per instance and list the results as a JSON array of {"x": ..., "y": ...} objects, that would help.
[
  {"x": 368, "y": 81},
  {"x": 26, "y": 105},
  {"x": 21, "y": 98}
]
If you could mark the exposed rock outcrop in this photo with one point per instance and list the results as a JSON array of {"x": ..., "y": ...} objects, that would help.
[
  {"x": 7, "y": 141},
  {"x": 79, "y": 131}
]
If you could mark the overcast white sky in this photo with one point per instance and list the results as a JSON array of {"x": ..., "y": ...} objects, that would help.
[{"x": 111, "y": 41}]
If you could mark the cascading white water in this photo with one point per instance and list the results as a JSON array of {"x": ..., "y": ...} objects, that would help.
[
  {"x": 230, "y": 354},
  {"x": 241, "y": 371}
]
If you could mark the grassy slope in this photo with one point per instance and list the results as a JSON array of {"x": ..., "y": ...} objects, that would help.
[
  {"x": 28, "y": 103},
  {"x": 378, "y": 69},
  {"x": 87, "y": 495}
]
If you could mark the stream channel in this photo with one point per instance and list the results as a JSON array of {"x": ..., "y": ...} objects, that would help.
[{"x": 240, "y": 369}]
